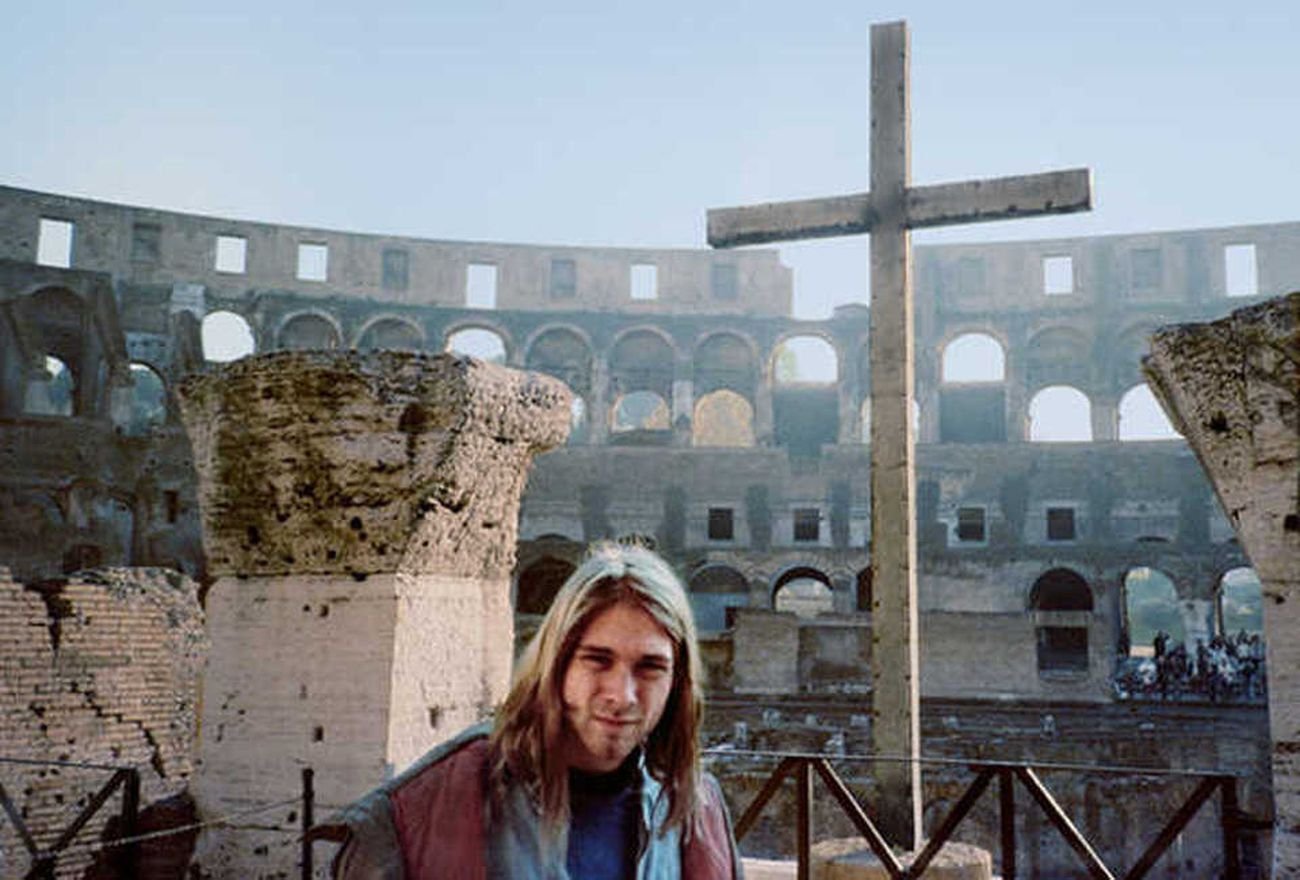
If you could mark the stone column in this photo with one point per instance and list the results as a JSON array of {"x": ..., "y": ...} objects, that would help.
[
  {"x": 359, "y": 517},
  {"x": 1232, "y": 388},
  {"x": 598, "y": 411}
]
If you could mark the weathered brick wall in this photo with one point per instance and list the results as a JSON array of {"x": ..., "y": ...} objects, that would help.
[{"x": 101, "y": 668}]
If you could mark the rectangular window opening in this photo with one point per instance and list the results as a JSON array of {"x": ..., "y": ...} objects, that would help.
[
  {"x": 54, "y": 243},
  {"x": 1058, "y": 275},
  {"x": 1060, "y": 524},
  {"x": 564, "y": 279},
  {"x": 146, "y": 243},
  {"x": 481, "y": 286},
  {"x": 1062, "y": 649},
  {"x": 313, "y": 262},
  {"x": 232, "y": 254},
  {"x": 807, "y": 524},
  {"x": 1240, "y": 271},
  {"x": 721, "y": 524},
  {"x": 645, "y": 281},
  {"x": 724, "y": 282},
  {"x": 396, "y": 269},
  {"x": 970, "y": 525}
]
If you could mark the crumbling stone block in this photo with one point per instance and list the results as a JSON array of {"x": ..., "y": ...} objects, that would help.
[
  {"x": 1232, "y": 387},
  {"x": 360, "y": 517}
]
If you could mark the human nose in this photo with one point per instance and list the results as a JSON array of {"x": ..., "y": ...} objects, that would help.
[{"x": 619, "y": 687}]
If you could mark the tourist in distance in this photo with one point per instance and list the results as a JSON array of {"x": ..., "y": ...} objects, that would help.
[{"x": 591, "y": 768}]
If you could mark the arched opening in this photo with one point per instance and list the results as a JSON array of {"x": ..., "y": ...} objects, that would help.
[
  {"x": 974, "y": 357},
  {"x": 642, "y": 361},
  {"x": 972, "y": 401},
  {"x": 723, "y": 418},
  {"x": 1153, "y": 621},
  {"x": 804, "y": 591},
  {"x": 713, "y": 590},
  {"x": 148, "y": 400},
  {"x": 639, "y": 411},
  {"x": 538, "y": 584},
  {"x": 478, "y": 342},
  {"x": 1062, "y": 639},
  {"x": 1060, "y": 414},
  {"x": 804, "y": 360},
  {"x": 52, "y": 391},
  {"x": 391, "y": 334},
  {"x": 1141, "y": 418},
  {"x": 308, "y": 332},
  {"x": 562, "y": 353},
  {"x": 226, "y": 337},
  {"x": 1240, "y": 605},
  {"x": 724, "y": 360}
]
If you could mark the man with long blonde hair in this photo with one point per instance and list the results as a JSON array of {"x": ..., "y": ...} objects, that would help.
[{"x": 592, "y": 767}]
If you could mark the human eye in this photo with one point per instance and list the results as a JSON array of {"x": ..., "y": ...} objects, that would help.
[{"x": 654, "y": 667}]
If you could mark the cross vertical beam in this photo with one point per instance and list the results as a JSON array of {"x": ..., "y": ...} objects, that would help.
[
  {"x": 896, "y": 695},
  {"x": 888, "y": 212}
]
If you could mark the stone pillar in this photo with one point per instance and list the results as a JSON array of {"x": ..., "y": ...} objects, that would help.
[
  {"x": 764, "y": 419},
  {"x": 360, "y": 514},
  {"x": 598, "y": 412},
  {"x": 1105, "y": 417},
  {"x": 1232, "y": 388}
]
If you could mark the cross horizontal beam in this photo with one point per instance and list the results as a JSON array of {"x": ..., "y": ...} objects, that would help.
[{"x": 974, "y": 201}]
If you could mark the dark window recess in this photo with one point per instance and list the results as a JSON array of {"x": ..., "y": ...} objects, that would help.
[
  {"x": 724, "y": 282},
  {"x": 1060, "y": 523},
  {"x": 721, "y": 524},
  {"x": 564, "y": 279},
  {"x": 1062, "y": 649},
  {"x": 397, "y": 269},
  {"x": 970, "y": 524},
  {"x": 172, "y": 501},
  {"x": 146, "y": 243},
  {"x": 807, "y": 524}
]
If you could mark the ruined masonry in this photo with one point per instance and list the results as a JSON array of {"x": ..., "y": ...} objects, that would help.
[
  {"x": 359, "y": 516},
  {"x": 1233, "y": 389},
  {"x": 100, "y": 668}
]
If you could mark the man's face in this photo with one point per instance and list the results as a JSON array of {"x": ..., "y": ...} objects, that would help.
[{"x": 615, "y": 688}]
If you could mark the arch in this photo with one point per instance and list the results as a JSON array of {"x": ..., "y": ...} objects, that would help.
[
  {"x": 1141, "y": 417},
  {"x": 974, "y": 357},
  {"x": 1151, "y": 606},
  {"x": 713, "y": 589},
  {"x": 391, "y": 333},
  {"x": 1060, "y": 589},
  {"x": 805, "y": 359},
  {"x": 309, "y": 330},
  {"x": 722, "y": 418},
  {"x": 478, "y": 342},
  {"x": 563, "y": 352},
  {"x": 1060, "y": 414},
  {"x": 538, "y": 584},
  {"x": 726, "y": 360},
  {"x": 52, "y": 391},
  {"x": 226, "y": 337},
  {"x": 639, "y": 411},
  {"x": 804, "y": 590},
  {"x": 642, "y": 360},
  {"x": 1239, "y": 603},
  {"x": 148, "y": 400},
  {"x": 1057, "y": 354}
]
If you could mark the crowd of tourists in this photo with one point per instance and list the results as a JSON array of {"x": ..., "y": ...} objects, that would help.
[{"x": 1227, "y": 669}]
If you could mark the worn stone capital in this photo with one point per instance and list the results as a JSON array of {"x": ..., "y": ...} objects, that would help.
[{"x": 357, "y": 463}]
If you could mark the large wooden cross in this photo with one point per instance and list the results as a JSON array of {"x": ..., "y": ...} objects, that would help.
[{"x": 888, "y": 212}]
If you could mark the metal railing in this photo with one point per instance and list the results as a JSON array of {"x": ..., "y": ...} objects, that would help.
[
  {"x": 44, "y": 860},
  {"x": 805, "y": 768}
]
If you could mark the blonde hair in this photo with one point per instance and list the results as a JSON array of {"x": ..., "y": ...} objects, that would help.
[{"x": 526, "y": 742}]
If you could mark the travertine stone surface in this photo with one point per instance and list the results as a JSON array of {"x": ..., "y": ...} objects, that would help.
[
  {"x": 347, "y": 463},
  {"x": 360, "y": 515},
  {"x": 100, "y": 668},
  {"x": 1232, "y": 388},
  {"x": 849, "y": 858}
]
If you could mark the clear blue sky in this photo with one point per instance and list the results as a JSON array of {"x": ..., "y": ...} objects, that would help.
[{"x": 621, "y": 123}]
